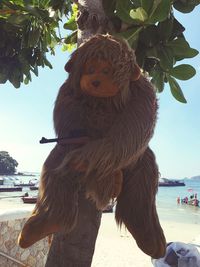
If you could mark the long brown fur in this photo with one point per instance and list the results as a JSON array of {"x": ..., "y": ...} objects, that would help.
[{"x": 119, "y": 128}]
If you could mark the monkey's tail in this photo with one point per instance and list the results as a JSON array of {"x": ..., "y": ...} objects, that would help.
[{"x": 136, "y": 206}]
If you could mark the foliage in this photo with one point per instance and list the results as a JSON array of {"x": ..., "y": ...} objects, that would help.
[
  {"x": 157, "y": 37},
  {"x": 7, "y": 163},
  {"x": 29, "y": 30}
]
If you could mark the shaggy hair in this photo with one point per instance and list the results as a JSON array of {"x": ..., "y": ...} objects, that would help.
[{"x": 119, "y": 129}]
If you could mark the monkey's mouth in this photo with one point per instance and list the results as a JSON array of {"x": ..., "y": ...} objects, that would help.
[{"x": 98, "y": 88}]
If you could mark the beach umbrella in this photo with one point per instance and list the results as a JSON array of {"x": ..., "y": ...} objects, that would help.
[{"x": 190, "y": 190}]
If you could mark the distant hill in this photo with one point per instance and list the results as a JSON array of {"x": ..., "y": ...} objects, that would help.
[{"x": 196, "y": 178}]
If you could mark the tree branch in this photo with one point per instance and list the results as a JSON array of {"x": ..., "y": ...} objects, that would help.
[{"x": 91, "y": 20}]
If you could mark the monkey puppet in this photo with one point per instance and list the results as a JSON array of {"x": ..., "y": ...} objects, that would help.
[{"x": 106, "y": 99}]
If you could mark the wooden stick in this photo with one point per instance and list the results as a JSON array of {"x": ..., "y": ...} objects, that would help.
[{"x": 66, "y": 140}]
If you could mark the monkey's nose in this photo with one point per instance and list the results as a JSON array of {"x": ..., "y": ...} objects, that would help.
[{"x": 96, "y": 83}]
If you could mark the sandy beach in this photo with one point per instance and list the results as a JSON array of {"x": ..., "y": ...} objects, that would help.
[{"x": 115, "y": 248}]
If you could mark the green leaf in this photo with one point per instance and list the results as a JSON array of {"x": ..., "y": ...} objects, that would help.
[
  {"x": 13, "y": 6},
  {"x": 139, "y": 14},
  {"x": 176, "y": 90},
  {"x": 24, "y": 65},
  {"x": 160, "y": 12},
  {"x": 131, "y": 36},
  {"x": 26, "y": 80},
  {"x": 185, "y": 6},
  {"x": 37, "y": 12},
  {"x": 48, "y": 36},
  {"x": 165, "y": 29},
  {"x": 180, "y": 47},
  {"x": 28, "y": 76},
  {"x": 123, "y": 9},
  {"x": 18, "y": 19},
  {"x": 178, "y": 29},
  {"x": 158, "y": 80},
  {"x": 68, "y": 47},
  {"x": 183, "y": 72},
  {"x": 166, "y": 58},
  {"x": 147, "y": 5},
  {"x": 33, "y": 37},
  {"x": 71, "y": 39},
  {"x": 136, "y": 3},
  {"x": 74, "y": 8},
  {"x": 70, "y": 24},
  {"x": 3, "y": 77},
  {"x": 149, "y": 36},
  {"x": 35, "y": 70},
  {"x": 15, "y": 77},
  {"x": 47, "y": 63},
  {"x": 152, "y": 52}
]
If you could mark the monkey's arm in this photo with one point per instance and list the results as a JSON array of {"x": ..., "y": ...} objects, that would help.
[{"x": 127, "y": 138}]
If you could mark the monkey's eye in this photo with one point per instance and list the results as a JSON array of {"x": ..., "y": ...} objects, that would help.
[
  {"x": 90, "y": 70},
  {"x": 105, "y": 71}
]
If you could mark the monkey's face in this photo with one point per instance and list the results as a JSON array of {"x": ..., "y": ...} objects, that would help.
[{"x": 97, "y": 79}]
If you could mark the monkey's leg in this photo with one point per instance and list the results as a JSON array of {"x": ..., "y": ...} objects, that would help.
[
  {"x": 56, "y": 208},
  {"x": 136, "y": 206}
]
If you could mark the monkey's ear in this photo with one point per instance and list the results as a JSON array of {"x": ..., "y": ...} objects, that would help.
[
  {"x": 69, "y": 65},
  {"x": 136, "y": 73}
]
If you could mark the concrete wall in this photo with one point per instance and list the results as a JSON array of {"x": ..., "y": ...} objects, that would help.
[{"x": 11, "y": 223}]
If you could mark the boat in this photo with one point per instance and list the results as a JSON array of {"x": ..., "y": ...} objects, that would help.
[
  {"x": 23, "y": 184},
  {"x": 30, "y": 183},
  {"x": 29, "y": 199},
  {"x": 10, "y": 188},
  {"x": 34, "y": 187},
  {"x": 168, "y": 182}
]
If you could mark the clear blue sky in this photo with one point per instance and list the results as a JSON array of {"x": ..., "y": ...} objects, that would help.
[{"x": 26, "y": 116}]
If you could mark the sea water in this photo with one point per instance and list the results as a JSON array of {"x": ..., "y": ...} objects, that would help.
[
  {"x": 166, "y": 199},
  {"x": 169, "y": 209}
]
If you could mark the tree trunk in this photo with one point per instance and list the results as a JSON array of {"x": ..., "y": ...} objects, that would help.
[{"x": 77, "y": 248}]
